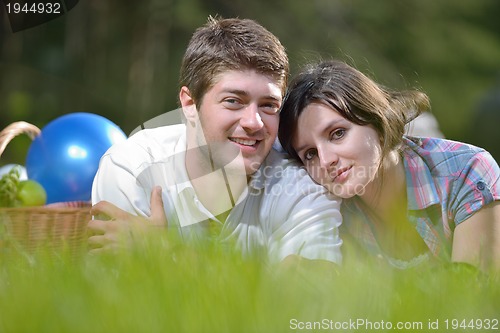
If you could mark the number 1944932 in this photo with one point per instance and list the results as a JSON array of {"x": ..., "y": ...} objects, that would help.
[
  {"x": 33, "y": 8},
  {"x": 471, "y": 324}
]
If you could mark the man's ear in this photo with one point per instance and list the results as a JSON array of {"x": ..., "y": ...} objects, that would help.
[{"x": 188, "y": 105}]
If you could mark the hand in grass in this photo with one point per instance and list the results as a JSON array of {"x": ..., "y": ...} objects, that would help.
[{"x": 114, "y": 228}]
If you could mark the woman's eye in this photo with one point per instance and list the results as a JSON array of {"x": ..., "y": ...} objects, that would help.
[
  {"x": 309, "y": 155},
  {"x": 337, "y": 134}
]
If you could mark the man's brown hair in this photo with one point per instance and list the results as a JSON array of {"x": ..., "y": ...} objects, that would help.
[{"x": 231, "y": 44}]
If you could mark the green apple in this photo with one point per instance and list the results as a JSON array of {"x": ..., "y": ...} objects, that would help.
[{"x": 31, "y": 193}]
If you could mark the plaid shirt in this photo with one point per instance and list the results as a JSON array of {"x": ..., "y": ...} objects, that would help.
[{"x": 447, "y": 182}]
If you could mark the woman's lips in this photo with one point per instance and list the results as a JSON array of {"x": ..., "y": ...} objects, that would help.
[{"x": 342, "y": 175}]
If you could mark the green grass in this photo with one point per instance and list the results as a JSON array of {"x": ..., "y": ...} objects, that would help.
[{"x": 167, "y": 286}]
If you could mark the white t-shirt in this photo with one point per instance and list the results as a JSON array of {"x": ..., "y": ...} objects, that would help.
[{"x": 282, "y": 211}]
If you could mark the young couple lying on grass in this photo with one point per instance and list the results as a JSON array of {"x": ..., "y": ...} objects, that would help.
[{"x": 406, "y": 200}]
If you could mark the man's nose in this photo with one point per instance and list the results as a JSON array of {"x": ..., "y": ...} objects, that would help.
[{"x": 251, "y": 120}]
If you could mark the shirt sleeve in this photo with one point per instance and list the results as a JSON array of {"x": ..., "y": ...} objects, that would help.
[
  {"x": 304, "y": 218},
  {"x": 129, "y": 171},
  {"x": 477, "y": 186},
  {"x": 116, "y": 183}
]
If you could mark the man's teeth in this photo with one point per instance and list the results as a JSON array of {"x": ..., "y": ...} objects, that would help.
[{"x": 244, "y": 142}]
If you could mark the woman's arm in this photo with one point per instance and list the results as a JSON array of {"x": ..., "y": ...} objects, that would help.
[{"x": 477, "y": 240}]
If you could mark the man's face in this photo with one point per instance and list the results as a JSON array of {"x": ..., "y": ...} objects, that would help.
[{"x": 240, "y": 114}]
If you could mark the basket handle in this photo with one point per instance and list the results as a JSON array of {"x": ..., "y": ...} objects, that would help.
[{"x": 15, "y": 129}]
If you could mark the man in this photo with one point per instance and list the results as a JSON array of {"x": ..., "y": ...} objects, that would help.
[{"x": 217, "y": 173}]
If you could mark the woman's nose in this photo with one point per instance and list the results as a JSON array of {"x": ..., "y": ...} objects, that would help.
[{"x": 327, "y": 158}]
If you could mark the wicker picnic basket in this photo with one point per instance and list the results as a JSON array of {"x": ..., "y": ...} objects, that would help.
[{"x": 54, "y": 228}]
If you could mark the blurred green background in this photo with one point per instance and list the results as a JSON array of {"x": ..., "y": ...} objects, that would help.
[{"x": 121, "y": 59}]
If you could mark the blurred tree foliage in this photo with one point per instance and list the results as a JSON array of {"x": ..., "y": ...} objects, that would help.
[{"x": 120, "y": 59}]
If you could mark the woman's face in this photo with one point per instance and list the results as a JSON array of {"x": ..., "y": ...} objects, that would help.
[{"x": 338, "y": 154}]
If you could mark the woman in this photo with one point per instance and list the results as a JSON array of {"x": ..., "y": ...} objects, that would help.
[{"x": 406, "y": 199}]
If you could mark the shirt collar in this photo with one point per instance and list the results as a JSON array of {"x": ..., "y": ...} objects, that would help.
[
  {"x": 422, "y": 191},
  {"x": 181, "y": 176},
  {"x": 257, "y": 180},
  {"x": 193, "y": 210},
  {"x": 185, "y": 188}
]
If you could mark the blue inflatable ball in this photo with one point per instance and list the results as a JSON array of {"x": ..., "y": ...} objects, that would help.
[{"x": 65, "y": 156}]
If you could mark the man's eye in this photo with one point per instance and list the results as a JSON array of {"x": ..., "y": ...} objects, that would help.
[
  {"x": 270, "y": 108},
  {"x": 232, "y": 103}
]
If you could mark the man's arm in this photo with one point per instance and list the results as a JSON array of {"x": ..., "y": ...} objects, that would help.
[
  {"x": 114, "y": 227},
  {"x": 116, "y": 183},
  {"x": 123, "y": 207}
]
